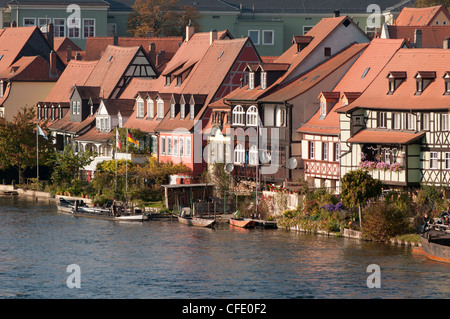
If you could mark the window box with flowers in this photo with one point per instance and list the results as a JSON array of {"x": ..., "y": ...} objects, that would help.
[{"x": 379, "y": 165}]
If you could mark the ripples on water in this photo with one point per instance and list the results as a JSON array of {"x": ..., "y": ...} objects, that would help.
[{"x": 159, "y": 259}]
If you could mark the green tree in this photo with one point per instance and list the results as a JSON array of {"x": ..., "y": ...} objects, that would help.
[
  {"x": 217, "y": 175},
  {"x": 67, "y": 165},
  {"x": 18, "y": 143},
  {"x": 432, "y": 3},
  {"x": 358, "y": 187},
  {"x": 161, "y": 17}
]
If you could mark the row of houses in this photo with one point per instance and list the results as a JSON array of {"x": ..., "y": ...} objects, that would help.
[{"x": 334, "y": 101}]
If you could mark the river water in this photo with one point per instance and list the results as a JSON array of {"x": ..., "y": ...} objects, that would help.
[{"x": 167, "y": 260}]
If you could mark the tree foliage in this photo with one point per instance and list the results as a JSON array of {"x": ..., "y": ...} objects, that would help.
[
  {"x": 18, "y": 145},
  {"x": 161, "y": 18},
  {"x": 358, "y": 187},
  {"x": 67, "y": 164},
  {"x": 432, "y": 3}
]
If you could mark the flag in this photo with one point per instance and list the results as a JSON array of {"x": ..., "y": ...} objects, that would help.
[
  {"x": 118, "y": 141},
  {"x": 131, "y": 139},
  {"x": 41, "y": 132}
]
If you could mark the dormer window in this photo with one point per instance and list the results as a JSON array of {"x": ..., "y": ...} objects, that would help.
[
  {"x": 172, "y": 110},
  {"x": 192, "y": 111},
  {"x": 59, "y": 112},
  {"x": 251, "y": 80},
  {"x": 39, "y": 113},
  {"x": 395, "y": 79},
  {"x": 140, "y": 108},
  {"x": 2, "y": 88},
  {"x": 179, "y": 80},
  {"x": 323, "y": 108},
  {"x": 168, "y": 80},
  {"x": 182, "y": 111},
  {"x": 150, "y": 108},
  {"x": 447, "y": 83},
  {"x": 423, "y": 79},
  {"x": 160, "y": 111},
  {"x": 263, "y": 80}
]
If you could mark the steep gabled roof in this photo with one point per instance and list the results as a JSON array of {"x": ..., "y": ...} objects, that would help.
[
  {"x": 76, "y": 73},
  {"x": 419, "y": 17},
  {"x": 29, "y": 68},
  {"x": 355, "y": 81},
  {"x": 409, "y": 61},
  {"x": 432, "y": 36}
]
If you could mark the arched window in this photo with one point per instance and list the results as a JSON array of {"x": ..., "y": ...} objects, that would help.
[
  {"x": 252, "y": 116},
  {"x": 238, "y": 115},
  {"x": 253, "y": 155},
  {"x": 239, "y": 154}
]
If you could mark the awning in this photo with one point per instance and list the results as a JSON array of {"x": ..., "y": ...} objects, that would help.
[{"x": 385, "y": 137}]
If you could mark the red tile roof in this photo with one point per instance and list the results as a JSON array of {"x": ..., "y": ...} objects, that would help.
[
  {"x": 12, "y": 41},
  {"x": 76, "y": 73},
  {"x": 432, "y": 36},
  {"x": 355, "y": 81},
  {"x": 29, "y": 68},
  {"x": 385, "y": 137},
  {"x": 410, "y": 61},
  {"x": 95, "y": 135},
  {"x": 96, "y": 46},
  {"x": 419, "y": 16}
]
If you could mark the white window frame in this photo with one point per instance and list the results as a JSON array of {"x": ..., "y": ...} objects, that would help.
[
  {"x": 447, "y": 160},
  {"x": 188, "y": 146},
  {"x": 397, "y": 121},
  {"x": 434, "y": 162},
  {"x": 280, "y": 116},
  {"x": 192, "y": 111},
  {"x": 181, "y": 141},
  {"x": 150, "y": 108},
  {"x": 169, "y": 145},
  {"x": 160, "y": 109},
  {"x": 239, "y": 154},
  {"x": 336, "y": 152},
  {"x": 84, "y": 26},
  {"x": 238, "y": 115},
  {"x": 29, "y": 25},
  {"x": 252, "y": 116},
  {"x": 41, "y": 22},
  {"x": 73, "y": 29},
  {"x": 78, "y": 107},
  {"x": 382, "y": 120},
  {"x": 323, "y": 108},
  {"x": 311, "y": 150},
  {"x": 253, "y": 155},
  {"x": 444, "y": 122},
  {"x": 172, "y": 110},
  {"x": 163, "y": 145},
  {"x": 309, "y": 27},
  {"x": 410, "y": 121},
  {"x": 182, "y": 111},
  {"x": 140, "y": 106},
  {"x": 263, "y": 38},
  {"x": 324, "y": 151},
  {"x": 426, "y": 121},
  {"x": 175, "y": 146},
  {"x": 263, "y": 80},
  {"x": 259, "y": 34},
  {"x": 251, "y": 80},
  {"x": 57, "y": 28}
]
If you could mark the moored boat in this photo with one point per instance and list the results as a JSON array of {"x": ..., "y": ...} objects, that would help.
[
  {"x": 435, "y": 245},
  {"x": 243, "y": 223},
  {"x": 196, "y": 221}
]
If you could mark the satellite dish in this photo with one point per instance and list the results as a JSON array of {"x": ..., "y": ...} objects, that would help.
[
  {"x": 292, "y": 163},
  {"x": 229, "y": 167}
]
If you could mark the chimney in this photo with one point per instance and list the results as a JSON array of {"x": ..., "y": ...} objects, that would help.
[
  {"x": 446, "y": 44},
  {"x": 418, "y": 38},
  {"x": 212, "y": 36},
  {"x": 160, "y": 57},
  {"x": 337, "y": 13},
  {"x": 53, "y": 72},
  {"x": 50, "y": 35},
  {"x": 69, "y": 53},
  {"x": 116, "y": 39},
  {"x": 152, "y": 48},
  {"x": 189, "y": 31}
]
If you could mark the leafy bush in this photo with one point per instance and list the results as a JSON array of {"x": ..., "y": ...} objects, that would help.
[{"x": 383, "y": 221}]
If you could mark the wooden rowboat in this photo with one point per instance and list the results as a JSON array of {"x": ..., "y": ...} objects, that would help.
[
  {"x": 196, "y": 221},
  {"x": 243, "y": 223}
]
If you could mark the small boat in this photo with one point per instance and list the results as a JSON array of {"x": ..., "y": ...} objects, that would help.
[
  {"x": 196, "y": 221},
  {"x": 107, "y": 214},
  {"x": 67, "y": 206},
  {"x": 243, "y": 222},
  {"x": 435, "y": 245}
]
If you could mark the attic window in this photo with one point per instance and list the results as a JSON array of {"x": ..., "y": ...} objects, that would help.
[
  {"x": 251, "y": 80},
  {"x": 14, "y": 69},
  {"x": 110, "y": 58},
  {"x": 315, "y": 78},
  {"x": 447, "y": 83},
  {"x": 263, "y": 80},
  {"x": 365, "y": 73},
  {"x": 395, "y": 79},
  {"x": 346, "y": 23},
  {"x": 167, "y": 80},
  {"x": 327, "y": 51},
  {"x": 424, "y": 78}
]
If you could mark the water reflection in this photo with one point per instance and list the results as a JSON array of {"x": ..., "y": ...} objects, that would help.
[{"x": 160, "y": 259}]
